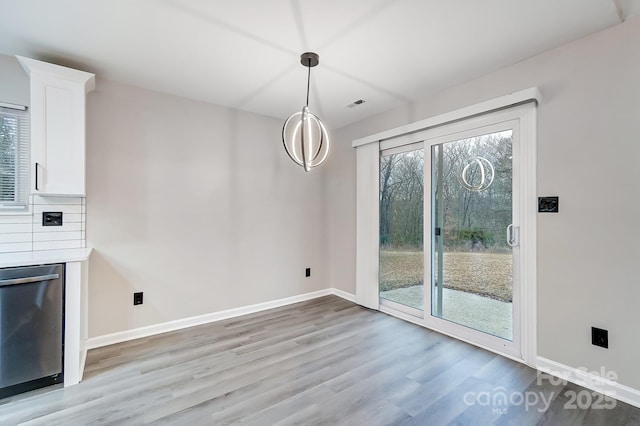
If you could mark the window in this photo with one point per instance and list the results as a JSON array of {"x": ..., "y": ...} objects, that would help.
[{"x": 14, "y": 160}]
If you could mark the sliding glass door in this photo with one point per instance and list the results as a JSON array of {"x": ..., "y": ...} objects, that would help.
[
  {"x": 402, "y": 229},
  {"x": 450, "y": 215},
  {"x": 472, "y": 233}
]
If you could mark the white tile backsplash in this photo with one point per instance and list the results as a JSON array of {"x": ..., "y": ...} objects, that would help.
[
  {"x": 25, "y": 232},
  {"x": 56, "y": 245},
  {"x": 22, "y": 237},
  {"x": 64, "y": 208},
  {"x": 12, "y": 228},
  {"x": 9, "y": 219},
  {"x": 67, "y": 227},
  {"x": 15, "y": 247},
  {"x": 38, "y": 200},
  {"x": 57, "y": 236}
]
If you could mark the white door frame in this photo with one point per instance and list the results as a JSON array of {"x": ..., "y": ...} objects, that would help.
[
  {"x": 467, "y": 129},
  {"x": 522, "y": 119}
]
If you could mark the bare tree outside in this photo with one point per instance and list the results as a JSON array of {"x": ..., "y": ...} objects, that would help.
[
  {"x": 472, "y": 223},
  {"x": 402, "y": 222},
  {"x": 8, "y": 157}
]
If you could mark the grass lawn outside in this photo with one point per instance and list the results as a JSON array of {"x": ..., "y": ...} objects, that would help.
[{"x": 484, "y": 274}]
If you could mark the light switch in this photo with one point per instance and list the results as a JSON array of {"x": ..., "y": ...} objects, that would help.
[{"x": 548, "y": 204}]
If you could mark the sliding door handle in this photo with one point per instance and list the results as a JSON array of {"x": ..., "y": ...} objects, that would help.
[{"x": 512, "y": 235}]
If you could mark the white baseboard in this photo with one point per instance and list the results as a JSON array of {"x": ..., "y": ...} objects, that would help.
[
  {"x": 347, "y": 296},
  {"x": 137, "y": 333},
  {"x": 589, "y": 380}
]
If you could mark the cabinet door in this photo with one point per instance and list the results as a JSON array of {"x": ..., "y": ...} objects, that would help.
[{"x": 58, "y": 126}]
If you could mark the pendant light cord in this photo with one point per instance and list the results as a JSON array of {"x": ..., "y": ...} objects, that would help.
[{"x": 308, "y": 79}]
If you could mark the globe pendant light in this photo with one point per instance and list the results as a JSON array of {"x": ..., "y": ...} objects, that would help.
[{"x": 305, "y": 138}]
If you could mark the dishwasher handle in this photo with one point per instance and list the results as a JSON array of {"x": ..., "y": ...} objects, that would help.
[{"x": 29, "y": 279}]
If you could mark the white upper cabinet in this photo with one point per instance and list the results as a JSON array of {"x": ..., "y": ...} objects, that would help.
[{"x": 57, "y": 127}]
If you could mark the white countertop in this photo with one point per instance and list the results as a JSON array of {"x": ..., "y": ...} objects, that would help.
[{"x": 44, "y": 256}]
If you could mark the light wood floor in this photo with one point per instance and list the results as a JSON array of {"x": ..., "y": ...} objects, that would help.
[{"x": 325, "y": 361}]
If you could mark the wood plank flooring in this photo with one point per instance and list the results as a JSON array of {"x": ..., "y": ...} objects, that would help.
[{"x": 325, "y": 361}]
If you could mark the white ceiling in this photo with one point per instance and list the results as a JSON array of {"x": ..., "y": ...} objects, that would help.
[{"x": 245, "y": 53}]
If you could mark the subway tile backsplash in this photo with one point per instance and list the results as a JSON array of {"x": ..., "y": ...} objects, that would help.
[{"x": 26, "y": 233}]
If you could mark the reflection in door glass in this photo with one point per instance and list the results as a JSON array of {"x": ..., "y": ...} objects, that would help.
[
  {"x": 471, "y": 194},
  {"x": 401, "y": 228}
]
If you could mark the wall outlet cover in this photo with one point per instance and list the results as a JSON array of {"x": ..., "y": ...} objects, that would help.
[
  {"x": 51, "y": 218},
  {"x": 137, "y": 298},
  {"x": 600, "y": 337},
  {"x": 307, "y": 272}
]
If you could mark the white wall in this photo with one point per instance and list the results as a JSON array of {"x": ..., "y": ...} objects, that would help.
[
  {"x": 196, "y": 205},
  {"x": 14, "y": 82},
  {"x": 588, "y": 153}
]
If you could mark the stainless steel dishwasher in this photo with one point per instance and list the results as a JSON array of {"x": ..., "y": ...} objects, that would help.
[{"x": 31, "y": 328}]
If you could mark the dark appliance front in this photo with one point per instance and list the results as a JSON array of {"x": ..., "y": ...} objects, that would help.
[{"x": 31, "y": 328}]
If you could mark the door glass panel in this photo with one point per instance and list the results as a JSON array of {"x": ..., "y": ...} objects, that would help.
[
  {"x": 471, "y": 193},
  {"x": 401, "y": 228}
]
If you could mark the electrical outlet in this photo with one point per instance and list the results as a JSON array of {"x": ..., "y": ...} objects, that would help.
[
  {"x": 51, "y": 218},
  {"x": 307, "y": 272},
  {"x": 137, "y": 298},
  {"x": 600, "y": 337}
]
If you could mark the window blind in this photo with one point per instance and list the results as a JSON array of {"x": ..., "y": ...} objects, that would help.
[{"x": 14, "y": 159}]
